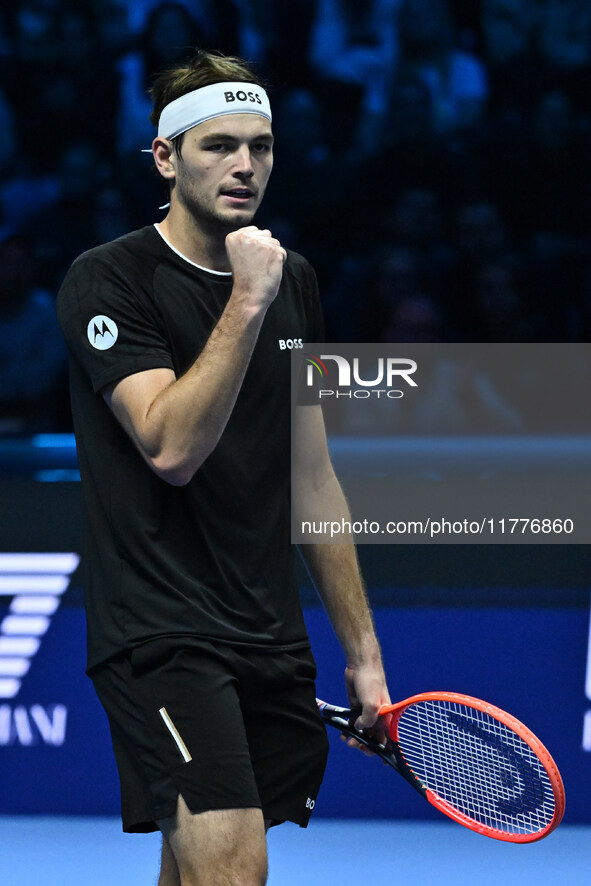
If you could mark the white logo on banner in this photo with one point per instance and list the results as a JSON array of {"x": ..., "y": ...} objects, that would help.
[
  {"x": 587, "y": 720},
  {"x": 36, "y": 583}
]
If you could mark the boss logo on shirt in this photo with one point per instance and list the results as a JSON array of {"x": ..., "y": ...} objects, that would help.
[
  {"x": 242, "y": 96},
  {"x": 289, "y": 343},
  {"x": 102, "y": 332}
]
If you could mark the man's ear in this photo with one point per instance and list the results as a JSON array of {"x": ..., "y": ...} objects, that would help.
[{"x": 163, "y": 153}]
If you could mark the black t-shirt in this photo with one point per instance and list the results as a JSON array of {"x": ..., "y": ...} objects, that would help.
[{"x": 212, "y": 558}]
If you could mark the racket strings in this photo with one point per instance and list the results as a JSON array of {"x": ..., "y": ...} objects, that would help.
[{"x": 478, "y": 765}]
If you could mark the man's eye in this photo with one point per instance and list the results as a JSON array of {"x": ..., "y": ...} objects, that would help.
[
  {"x": 261, "y": 148},
  {"x": 217, "y": 148}
]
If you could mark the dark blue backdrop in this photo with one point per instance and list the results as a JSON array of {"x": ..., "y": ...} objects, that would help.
[
  {"x": 530, "y": 661},
  {"x": 508, "y": 624}
]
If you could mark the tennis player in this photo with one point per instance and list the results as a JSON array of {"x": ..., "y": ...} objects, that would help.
[{"x": 180, "y": 380}]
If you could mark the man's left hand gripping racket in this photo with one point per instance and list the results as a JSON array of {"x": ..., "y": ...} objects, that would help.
[{"x": 469, "y": 759}]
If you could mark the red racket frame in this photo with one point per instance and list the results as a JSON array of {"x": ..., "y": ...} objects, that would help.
[{"x": 395, "y": 711}]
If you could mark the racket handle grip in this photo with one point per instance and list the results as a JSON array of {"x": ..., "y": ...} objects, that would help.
[{"x": 330, "y": 710}]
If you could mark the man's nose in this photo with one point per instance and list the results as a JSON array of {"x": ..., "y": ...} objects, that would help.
[{"x": 243, "y": 163}]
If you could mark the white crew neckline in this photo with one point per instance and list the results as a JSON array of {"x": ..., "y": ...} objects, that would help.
[{"x": 184, "y": 257}]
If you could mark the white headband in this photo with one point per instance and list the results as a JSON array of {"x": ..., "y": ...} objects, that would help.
[{"x": 216, "y": 100}]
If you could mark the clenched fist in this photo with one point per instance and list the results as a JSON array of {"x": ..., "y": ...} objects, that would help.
[{"x": 256, "y": 259}]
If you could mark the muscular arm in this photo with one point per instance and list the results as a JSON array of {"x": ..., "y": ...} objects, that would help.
[
  {"x": 334, "y": 568},
  {"x": 176, "y": 422}
]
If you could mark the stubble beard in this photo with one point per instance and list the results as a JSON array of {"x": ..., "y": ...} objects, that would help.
[{"x": 211, "y": 221}]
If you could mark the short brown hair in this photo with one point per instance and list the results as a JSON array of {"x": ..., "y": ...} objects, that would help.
[{"x": 204, "y": 69}]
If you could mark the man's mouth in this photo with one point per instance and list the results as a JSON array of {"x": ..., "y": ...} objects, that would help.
[{"x": 238, "y": 195}]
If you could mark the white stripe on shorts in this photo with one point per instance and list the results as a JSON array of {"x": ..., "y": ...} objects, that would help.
[{"x": 176, "y": 735}]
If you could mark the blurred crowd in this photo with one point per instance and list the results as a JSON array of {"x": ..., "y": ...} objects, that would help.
[{"x": 432, "y": 162}]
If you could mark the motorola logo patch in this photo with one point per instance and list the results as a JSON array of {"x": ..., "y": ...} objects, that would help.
[{"x": 102, "y": 332}]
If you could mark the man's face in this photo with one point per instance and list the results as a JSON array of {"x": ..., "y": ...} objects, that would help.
[{"x": 224, "y": 169}]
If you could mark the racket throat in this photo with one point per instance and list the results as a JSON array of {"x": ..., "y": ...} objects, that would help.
[{"x": 410, "y": 776}]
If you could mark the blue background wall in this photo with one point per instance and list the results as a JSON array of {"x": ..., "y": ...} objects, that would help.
[
  {"x": 529, "y": 661},
  {"x": 519, "y": 646}
]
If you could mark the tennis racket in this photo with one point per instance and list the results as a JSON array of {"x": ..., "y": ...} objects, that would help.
[{"x": 471, "y": 760}]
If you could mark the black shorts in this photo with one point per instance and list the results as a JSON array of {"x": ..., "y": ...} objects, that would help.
[{"x": 227, "y": 728}]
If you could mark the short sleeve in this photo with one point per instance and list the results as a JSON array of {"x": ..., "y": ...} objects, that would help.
[
  {"x": 307, "y": 395},
  {"x": 111, "y": 324},
  {"x": 315, "y": 319}
]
